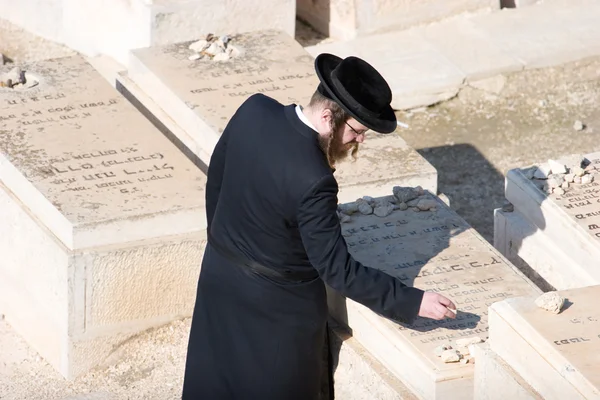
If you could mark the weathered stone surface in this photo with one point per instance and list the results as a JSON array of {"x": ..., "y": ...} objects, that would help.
[
  {"x": 569, "y": 217},
  {"x": 344, "y": 19},
  {"x": 201, "y": 96},
  {"x": 98, "y": 208},
  {"x": 434, "y": 251},
  {"x": 555, "y": 354},
  {"x": 114, "y": 27}
]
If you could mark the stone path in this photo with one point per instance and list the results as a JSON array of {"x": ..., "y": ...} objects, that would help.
[{"x": 431, "y": 63}]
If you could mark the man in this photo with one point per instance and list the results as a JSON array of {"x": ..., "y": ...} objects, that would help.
[{"x": 259, "y": 325}]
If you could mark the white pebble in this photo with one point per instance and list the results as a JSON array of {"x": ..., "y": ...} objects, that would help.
[{"x": 587, "y": 179}]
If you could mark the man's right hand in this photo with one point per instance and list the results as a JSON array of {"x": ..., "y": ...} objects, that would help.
[{"x": 436, "y": 306}]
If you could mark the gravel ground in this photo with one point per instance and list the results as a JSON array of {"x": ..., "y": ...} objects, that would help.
[{"x": 475, "y": 138}]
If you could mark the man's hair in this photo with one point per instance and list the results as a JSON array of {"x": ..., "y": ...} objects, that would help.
[
  {"x": 332, "y": 146},
  {"x": 339, "y": 116}
]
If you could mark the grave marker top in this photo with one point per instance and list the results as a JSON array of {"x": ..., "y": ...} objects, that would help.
[
  {"x": 570, "y": 340},
  {"x": 582, "y": 201},
  {"x": 271, "y": 62},
  {"x": 80, "y": 156},
  {"x": 437, "y": 251},
  {"x": 202, "y": 95}
]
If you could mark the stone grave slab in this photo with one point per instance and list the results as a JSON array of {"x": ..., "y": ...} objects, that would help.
[
  {"x": 520, "y": 241},
  {"x": 436, "y": 251},
  {"x": 103, "y": 221},
  {"x": 202, "y": 95},
  {"x": 557, "y": 354},
  {"x": 113, "y": 27},
  {"x": 569, "y": 218}
]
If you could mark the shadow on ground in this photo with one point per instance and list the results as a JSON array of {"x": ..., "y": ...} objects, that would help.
[{"x": 462, "y": 174}]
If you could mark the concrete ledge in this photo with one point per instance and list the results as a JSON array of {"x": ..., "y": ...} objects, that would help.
[{"x": 496, "y": 380}]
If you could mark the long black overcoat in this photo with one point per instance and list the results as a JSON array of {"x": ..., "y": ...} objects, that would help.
[{"x": 271, "y": 201}]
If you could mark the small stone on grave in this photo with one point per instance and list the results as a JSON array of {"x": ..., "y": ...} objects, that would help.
[
  {"x": 565, "y": 185},
  {"x": 587, "y": 179},
  {"x": 441, "y": 349},
  {"x": 406, "y": 194},
  {"x": 542, "y": 172},
  {"x": 383, "y": 210},
  {"x": 402, "y": 206},
  {"x": 555, "y": 180},
  {"x": 348, "y": 208},
  {"x": 426, "y": 204},
  {"x": 577, "y": 179},
  {"x": 570, "y": 178},
  {"x": 451, "y": 356},
  {"x": 364, "y": 207},
  {"x": 558, "y": 190},
  {"x": 557, "y": 167},
  {"x": 578, "y": 125},
  {"x": 578, "y": 171},
  {"x": 550, "y": 301}
]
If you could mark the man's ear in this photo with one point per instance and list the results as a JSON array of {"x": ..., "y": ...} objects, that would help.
[{"x": 326, "y": 117}]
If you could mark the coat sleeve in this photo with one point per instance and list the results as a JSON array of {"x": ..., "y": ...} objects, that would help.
[{"x": 327, "y": 251}]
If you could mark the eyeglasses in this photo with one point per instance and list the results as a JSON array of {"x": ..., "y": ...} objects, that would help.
[{"x": 354, "y": 130}]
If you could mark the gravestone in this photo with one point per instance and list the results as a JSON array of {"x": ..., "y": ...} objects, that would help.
[
  {"x": 198, "y": 97},
  {"x": 435, "y": 251},
  {"x": 523, "y": 244},
  {"x": 556, "y": 354},
  {"x": 569, "y": 218},
  {"x": 103, "y": 221}
]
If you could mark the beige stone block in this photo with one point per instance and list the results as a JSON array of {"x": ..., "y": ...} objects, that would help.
[
  {"x": 496, "y": 380},
  {"x": 519, "y": 240},
  {"x": 197, "y": 98},
  {"x": 113, "y": 27},
  {"x": 538, "y": 36},
  {"x": 570, "y": 220},
  {"x": 556, "y": 354},
  {"x": 346, "y": 19},
  {"x": 466, "y": 47},
  {"x": 436, "y": 251},
  {"x": 103, "y": 218}
]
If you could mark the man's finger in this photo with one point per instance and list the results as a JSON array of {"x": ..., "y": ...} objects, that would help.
[
  {"x": 443, "y": 311},
  {"x": 447, "y": 302}
]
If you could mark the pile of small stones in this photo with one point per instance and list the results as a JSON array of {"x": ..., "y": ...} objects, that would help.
[
  {"x": 213, "y": 48},
  {"x": 402, "y": 199},
  {"x": 556, "y": 177},
  {"x": 460, "y": 353},
  {"x": 17, "y": 78}
]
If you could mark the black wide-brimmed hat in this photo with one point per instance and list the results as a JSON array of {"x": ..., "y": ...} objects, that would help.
[{"x": 359, "y": 89}]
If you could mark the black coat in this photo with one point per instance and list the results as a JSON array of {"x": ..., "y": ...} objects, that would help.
[{"x": 271, "y": 199}]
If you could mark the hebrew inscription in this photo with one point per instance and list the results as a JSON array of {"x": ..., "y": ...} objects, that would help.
[
  {"x": 438, "y": 252},
  {"x": 89, "y": 151}
]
